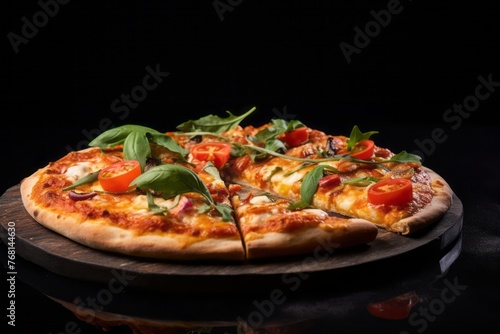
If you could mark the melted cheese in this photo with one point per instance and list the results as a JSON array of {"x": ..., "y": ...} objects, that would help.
[{"x": 78, "y": 171}]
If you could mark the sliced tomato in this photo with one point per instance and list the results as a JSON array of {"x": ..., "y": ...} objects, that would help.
[
  {"x": 118, "y": 176},
  {"x": 363, "y": 150},
  {"x": 216, "y": 152},
  {"x": 296, "y": 137},
  {"x": 329, "y": 181},
  {"x": 391, "y": 192}
]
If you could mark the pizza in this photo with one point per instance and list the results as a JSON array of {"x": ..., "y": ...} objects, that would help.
[{"x": 215, "y": 189}]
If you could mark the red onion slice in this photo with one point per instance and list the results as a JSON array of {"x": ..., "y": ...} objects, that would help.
[{"x": 81, "y": 196}]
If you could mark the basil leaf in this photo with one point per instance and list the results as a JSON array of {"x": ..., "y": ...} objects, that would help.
[
  {"x": 168, "y": 143},
  {"x": 117, "y": 136},
  {"x": 310, "y": 183},
  {"x": 136, "y": 147},
  {"x": 225, "y": 211},
  {"x": 211, "y": 123},
  {"x": 172, "y": 180},
  {"x": 356, "y": 136},
  {"x": 85, "y": 179}
]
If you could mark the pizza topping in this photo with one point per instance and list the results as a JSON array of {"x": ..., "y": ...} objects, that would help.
[
  {"x": 363, "y": 150},
  {"x": 78, "y": 171},
  {"x": 85, "y": 179},
  {"x": 212, "y": 123},
  {"x": 296, "y": 137},
  {"x": 215, "y": 152},
  {"x": 391, "y": 192},
  {"x": 136, "y": 140},
  {"x": 357, "y": 136},
  {"x": 81, "y": 196},
  {"x": 173, "y": 180},
  {"x": 331, "y": 148},
  {"x": 183, "y": 204},
  {"x": 118, "y": 176},
  {"x": 329, "y": 181}
]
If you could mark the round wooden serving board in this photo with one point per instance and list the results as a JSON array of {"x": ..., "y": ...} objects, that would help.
[{"x": 65, "y": 257}]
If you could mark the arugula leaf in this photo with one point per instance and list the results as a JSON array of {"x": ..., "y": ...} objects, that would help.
[
  {"x": 85, "y": 179},
  {"x": 356, "y": 136},
  {"x": 212, "y": 123},
  {"x": 212, "y": 170},
  {"x": 361, "y": 181},
  {"x": 276, "y": 169},
  {"x": 173, "y": 180},
  {"x": 152, "y": 205},
  {"x": 404, "y": 156},
  {"x": 277, "y": 127}
]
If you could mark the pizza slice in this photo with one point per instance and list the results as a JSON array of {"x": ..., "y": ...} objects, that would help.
[
  {"x": 271, "y": 229},
  {"x": 170, "y": 212},
  {"x": 351, "y": 176}
]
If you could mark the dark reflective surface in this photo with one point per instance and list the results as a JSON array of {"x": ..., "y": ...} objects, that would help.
[{"x": 305, "y": 303}]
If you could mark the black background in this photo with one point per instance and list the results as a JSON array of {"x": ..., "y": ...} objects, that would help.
[{"x": 279, "y": 56}]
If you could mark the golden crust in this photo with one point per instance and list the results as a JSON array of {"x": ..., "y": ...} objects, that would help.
[
  {"x": 99, "y": 234},
  {"x": 351, "y": 233},
  {"x": 432, "y": 212},
  {"x": 270, "y": 229}
]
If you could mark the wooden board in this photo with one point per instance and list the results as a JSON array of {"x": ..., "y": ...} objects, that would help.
[{"x": 62, "y": 256}]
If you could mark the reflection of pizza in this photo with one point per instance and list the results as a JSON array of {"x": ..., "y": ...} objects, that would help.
[{"x": 214, "y": 189}]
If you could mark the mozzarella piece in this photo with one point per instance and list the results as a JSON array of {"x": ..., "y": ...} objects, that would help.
[{"x": 78, "y": 171}]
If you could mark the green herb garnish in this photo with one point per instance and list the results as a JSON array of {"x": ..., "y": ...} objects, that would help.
[{"x": 172, "y": 180}]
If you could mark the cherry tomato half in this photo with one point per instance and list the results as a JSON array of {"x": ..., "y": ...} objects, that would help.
[
  {"x": 363, "y": 150},
  {"x": 118, "y": 176},
  {"x": 391, "y": 192},
  {"x": 217, "y": 153},
  {"x": 296, "y": 137}
]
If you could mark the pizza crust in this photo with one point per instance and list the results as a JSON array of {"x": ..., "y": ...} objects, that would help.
[
  {"x": 103, "y": 236},
  {"x": 432, "y": 212},
  {"x": 312, "y": 240}
]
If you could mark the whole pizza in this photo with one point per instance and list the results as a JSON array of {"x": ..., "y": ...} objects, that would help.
[{"x": 216, "y": 189}]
